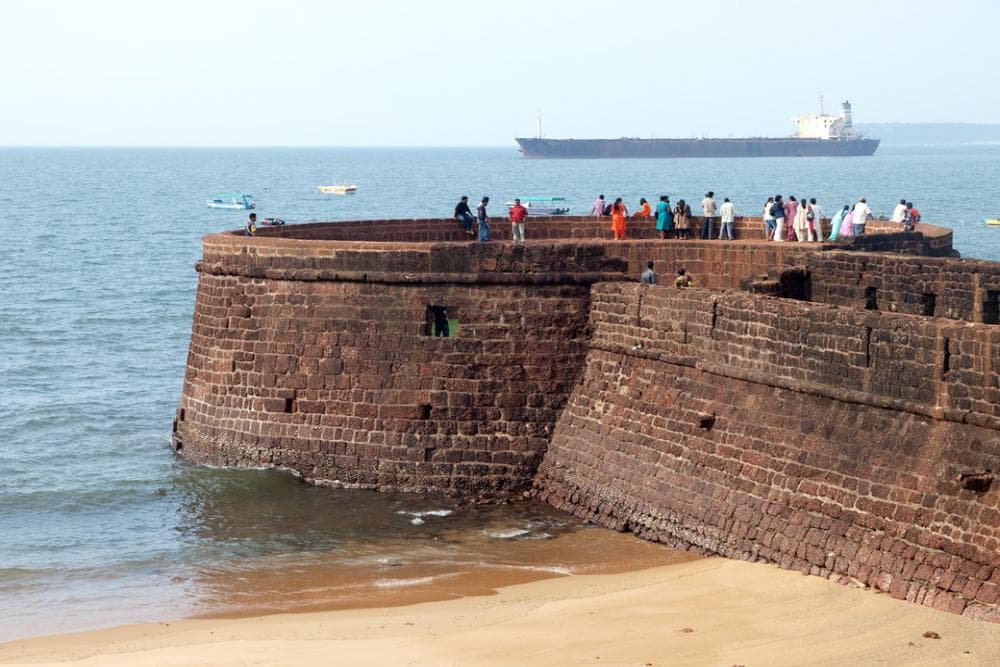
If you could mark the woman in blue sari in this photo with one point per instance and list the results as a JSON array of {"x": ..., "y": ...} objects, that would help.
[{"x": 836, "y": 222}]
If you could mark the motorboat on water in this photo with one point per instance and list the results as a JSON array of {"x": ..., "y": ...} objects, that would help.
[
  {"x": 542, "y": 205},
  {"x": 338, "y": 189},
  {"x": 993, "y": 222},
  {"x": 231, "y": 200}
]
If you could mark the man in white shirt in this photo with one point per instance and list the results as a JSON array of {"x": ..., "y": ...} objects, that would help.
[
  {"x": 727, "y": 213},
  {"x": 899, "y": 213},
  {"x": 861, "y": 215},
  {"x": 709, "y": 213}
]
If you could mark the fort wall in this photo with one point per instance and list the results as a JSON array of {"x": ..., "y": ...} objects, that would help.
[
  {"x": 844, "y": 443},
  {"x": 320, "y": 358},
  {"x": 850, "y": 431}
]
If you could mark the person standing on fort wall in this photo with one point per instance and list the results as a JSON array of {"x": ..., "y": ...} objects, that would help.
[
  {"x": 484, "y": 220},
  {"x": 464, "y": 215},
  {"x": 847, "y": 224},
  {"x": 664, "y": 217},
  {"x": 791, "y": 210},
  {"x": 837, "y": 222},
  {"x": 778, "y": 211},
  {"x": 682, "y": 219},
  {"x": 598, "y": 209},
  {"x": 801, "y": 220},
  {"x": 815, "y": 220},
  {"x": 709, "y": 212},
  {"x": 618, "y": 213},
  {"x": 517, "y": 216},
  {"x": 861, "y": 215},
  {"x": 251, "y": 227},
  {"x": 727, "y": 216},
  {"x": 767, "y": 215}
]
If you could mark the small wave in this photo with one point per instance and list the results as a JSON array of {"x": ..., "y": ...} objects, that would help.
[
  {"x": 402, "y": 583},
  {"x": 417, "y": 518},
  {"x": 508, "y": 534}
]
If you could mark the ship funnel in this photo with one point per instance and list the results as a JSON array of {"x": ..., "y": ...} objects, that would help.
[{"x": 845, "y": 113}]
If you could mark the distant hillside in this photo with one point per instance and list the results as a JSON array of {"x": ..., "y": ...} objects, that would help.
[{"x": 931, "y": 133}]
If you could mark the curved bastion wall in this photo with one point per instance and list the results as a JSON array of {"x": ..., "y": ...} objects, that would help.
[
  {"x": 850, "y": 431},
  {"x": 317, "y": 356}
]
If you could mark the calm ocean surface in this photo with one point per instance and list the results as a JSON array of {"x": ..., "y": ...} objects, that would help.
[{"x": 100, "y": 524}]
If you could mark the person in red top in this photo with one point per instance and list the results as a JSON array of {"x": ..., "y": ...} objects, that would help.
[
  {"x": 912, "y": 216},
  {"x": 517, "y": 215}
]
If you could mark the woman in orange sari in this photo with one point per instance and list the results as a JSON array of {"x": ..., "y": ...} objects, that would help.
[{"x": 618, "y": 214}]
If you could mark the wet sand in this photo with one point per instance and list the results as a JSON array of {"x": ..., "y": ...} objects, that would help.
[
  {"x": 427, "y": 574},
  {"x": 700, "y": 612}
]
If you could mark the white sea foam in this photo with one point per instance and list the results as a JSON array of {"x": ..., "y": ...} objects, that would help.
[
  {"x": 417, "y": 518},
  {"x": 402, "y": 583},
  {"x": 508, "y": 534}
]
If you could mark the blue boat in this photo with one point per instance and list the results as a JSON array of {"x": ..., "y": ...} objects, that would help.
[{"x": 233, "y": 200}]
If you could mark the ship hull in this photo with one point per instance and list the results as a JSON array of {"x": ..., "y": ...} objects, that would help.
[{"x": 678, "y": 148}]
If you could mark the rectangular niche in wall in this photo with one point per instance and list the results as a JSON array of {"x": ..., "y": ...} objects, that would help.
[
  {"x": 991, "y": 307},
  {"x": 440, "y": 321}
]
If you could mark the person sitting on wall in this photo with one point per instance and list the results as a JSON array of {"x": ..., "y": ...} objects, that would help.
[
  {"x": 599, "y": 207},
  {"x": 440, "y": 321},
  {"x": 683, "y": 279},
  {"x": 251, "y": 226},
  {"x": 912, "y": 217},
  {"x": 649, "y": 276},
  {"x": 645, "y": 210},
  {"x": 464, "y": 215}
]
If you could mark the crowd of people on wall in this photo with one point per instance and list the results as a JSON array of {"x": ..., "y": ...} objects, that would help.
[{"x": 791, "y": 219}]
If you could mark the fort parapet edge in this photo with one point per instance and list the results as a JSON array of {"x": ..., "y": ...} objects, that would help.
[{"x": 831, "y": 408}]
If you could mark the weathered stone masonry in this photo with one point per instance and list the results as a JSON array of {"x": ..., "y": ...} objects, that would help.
[
  {"x": 318, "y": 357},
  {"x": 852, "y": 435}
]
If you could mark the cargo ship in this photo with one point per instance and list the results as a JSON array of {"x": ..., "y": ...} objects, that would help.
[{"x": 820, "y": 135}]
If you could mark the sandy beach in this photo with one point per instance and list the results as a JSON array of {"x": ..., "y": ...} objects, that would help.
[{"x": 702, "y": 612}]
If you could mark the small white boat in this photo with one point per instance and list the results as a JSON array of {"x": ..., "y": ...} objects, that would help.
[
  {"x": 542, "y": 205},
  {"x": 233, "y": 200},
  {"x": 338, "y": 189}
]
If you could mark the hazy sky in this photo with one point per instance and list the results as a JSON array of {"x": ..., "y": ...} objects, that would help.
[{"x": 370, "y": 72}]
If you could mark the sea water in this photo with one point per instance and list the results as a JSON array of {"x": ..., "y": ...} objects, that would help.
[{"x": 99, "y": 522}]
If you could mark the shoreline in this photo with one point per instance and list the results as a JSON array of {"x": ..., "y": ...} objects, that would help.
[{"x": 704, "y": 611}]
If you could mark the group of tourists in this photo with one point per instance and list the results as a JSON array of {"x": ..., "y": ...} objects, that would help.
[
  {"x": 672, "y": 221},
  {"x": 517, "y": 214},
  {"x": 791, "y": 219},
  {"x": 794, "y": 219}
]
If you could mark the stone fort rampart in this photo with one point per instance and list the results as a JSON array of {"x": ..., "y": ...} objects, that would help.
[{"x": 827, "y": 407}]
